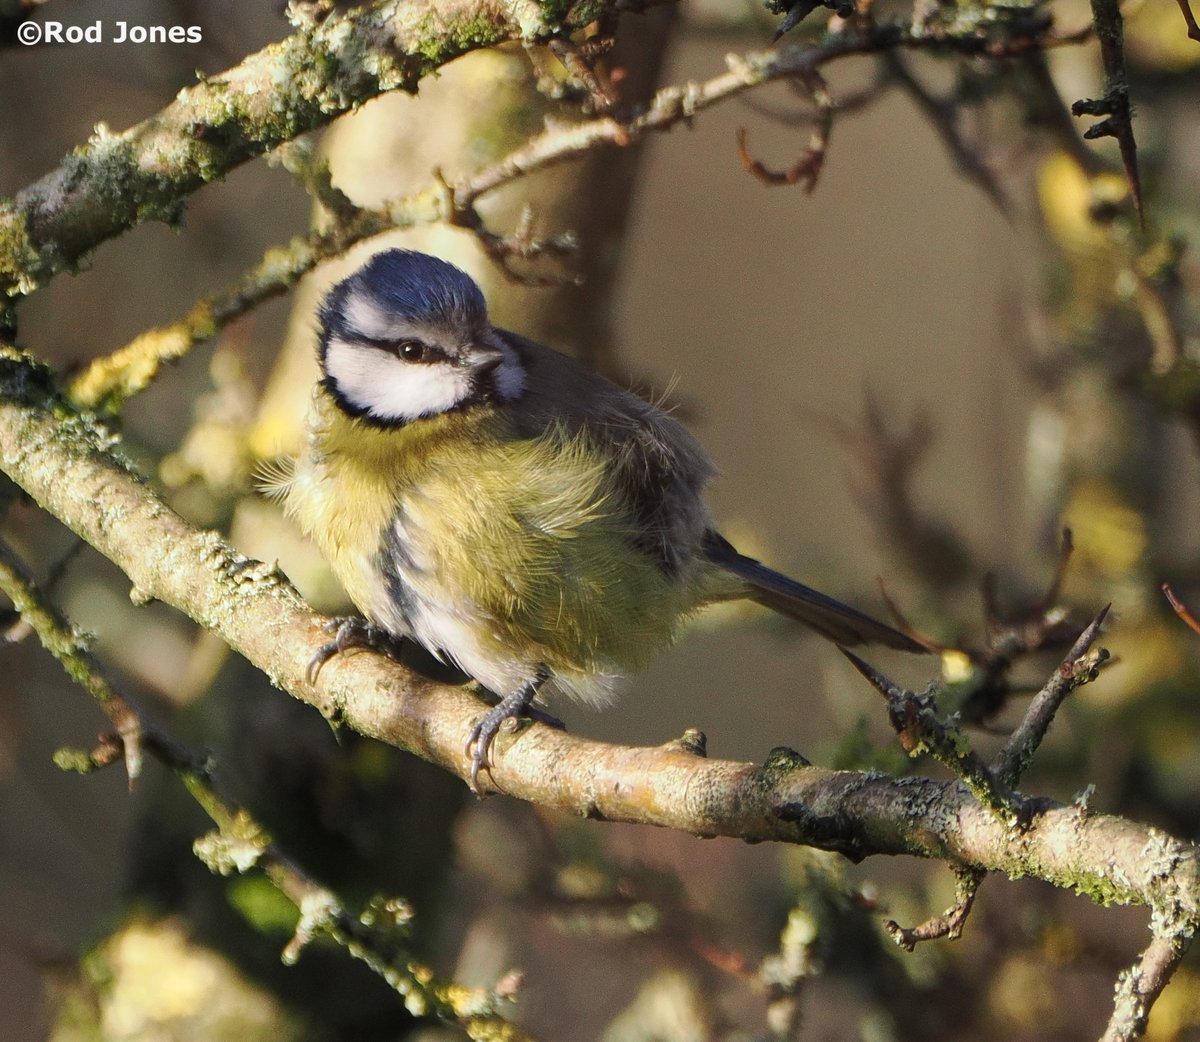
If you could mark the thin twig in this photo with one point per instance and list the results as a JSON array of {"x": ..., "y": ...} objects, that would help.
[
  {"x": 807, "y": 169},
  {"x": 1080, "y": 666},
  {"x": 950, "y": 923},
  {"x": 1050, "y": 598},
  {"x": 1009, "y": 636},
  {"x": 1114, "y": 105},
  {"x": 61, "y": 639},
  {"x": 240, "y": 841},
  {"x": 376, "y": 936},
  {"x": 942, "y": 115},
  {"x": 579, "y": 63},
  {"x": 20, "y": 628},
  {"x": 521, "y": 244},
  {"x": 1192, "y": 28},
  {"x": 1181, "y": 609}
]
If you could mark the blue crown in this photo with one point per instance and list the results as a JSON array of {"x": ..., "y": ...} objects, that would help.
[{"x": 411, "y": 285}]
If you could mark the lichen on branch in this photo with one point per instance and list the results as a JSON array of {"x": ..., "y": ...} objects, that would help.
[{"x": 327, "y": 67}]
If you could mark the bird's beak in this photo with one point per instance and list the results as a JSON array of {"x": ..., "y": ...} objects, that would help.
[{"x": 484, "y": 360}]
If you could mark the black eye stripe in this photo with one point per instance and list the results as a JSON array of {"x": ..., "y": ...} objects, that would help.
[{"x": 408, "y": 349}]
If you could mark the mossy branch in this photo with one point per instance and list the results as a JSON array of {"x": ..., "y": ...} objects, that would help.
[
  {"x": 325, "y": 68},
  {"x": 66, "y": 463}
]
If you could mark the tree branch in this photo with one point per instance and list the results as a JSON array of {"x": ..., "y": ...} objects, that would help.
[
  {"x": 1193, "y": 30},
  {"x": 108, "y": 380},
  {"x": 915, "y": 720},
  {"x": 65, "y": 462},
  {"x": 118, "y": 180},
  {"x": 1143, "y": 982}
]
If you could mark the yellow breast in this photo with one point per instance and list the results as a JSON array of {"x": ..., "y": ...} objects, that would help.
[{"x": 530, "y": 539}]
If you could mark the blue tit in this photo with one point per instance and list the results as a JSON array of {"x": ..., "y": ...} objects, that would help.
[{"x": 519, "y": 516}]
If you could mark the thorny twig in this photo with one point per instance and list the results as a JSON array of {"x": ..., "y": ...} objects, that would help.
[
  {"x": 579, "y": 61},
  {"x": 1007, "y": 639},
  {"x": 1181, "y": 609},
  {"x": 1011, "y": 635},
  {"x": 1050, "y": 598},
  {"x": 914, "y": 718},
  {"x": 794, "y": 11}
]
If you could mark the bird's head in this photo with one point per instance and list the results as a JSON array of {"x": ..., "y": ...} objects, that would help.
[{"x": 407, "y": 337}]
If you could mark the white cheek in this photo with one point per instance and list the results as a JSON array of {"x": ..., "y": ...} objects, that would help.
[{"x": 390, "y": 389}]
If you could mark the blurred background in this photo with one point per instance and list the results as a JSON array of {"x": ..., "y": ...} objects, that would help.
[{"x": 901, "y": 382}]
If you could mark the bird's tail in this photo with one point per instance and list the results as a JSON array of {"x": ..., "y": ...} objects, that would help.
[{"x": 829, "y": 617}]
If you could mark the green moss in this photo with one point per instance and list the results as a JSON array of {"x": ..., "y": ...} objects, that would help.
[
  {"x": 436, "y": 42},
  {"x": 1100, "y": 891}
]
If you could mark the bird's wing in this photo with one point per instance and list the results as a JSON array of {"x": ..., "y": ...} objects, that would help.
[
  {"x": 660, "y": 468},
  {"x": 827, "y": 616}
]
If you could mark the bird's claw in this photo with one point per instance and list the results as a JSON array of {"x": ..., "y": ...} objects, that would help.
[
  {"x": 511, "y": 707},
  {"x": 481, "y": 736},
  {"x": 350, "y": 632}
]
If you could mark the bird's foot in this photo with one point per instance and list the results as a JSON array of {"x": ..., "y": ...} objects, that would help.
[
  {"x": 510, "y": 707},
  {"x": 353, "y": 631}
]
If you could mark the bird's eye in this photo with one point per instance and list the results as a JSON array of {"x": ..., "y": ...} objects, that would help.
[{"x": 411, "y": 350}]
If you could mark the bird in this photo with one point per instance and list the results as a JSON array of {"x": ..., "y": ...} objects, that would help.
[{"x": 523, "y": 518}]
